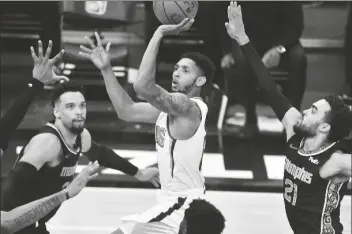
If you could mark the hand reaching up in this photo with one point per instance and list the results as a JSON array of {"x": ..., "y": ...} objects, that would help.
[
  {"x": 97, "y": 54},
  {"x": 235, "y": 27},
  {"x": 43, "y": 66}
]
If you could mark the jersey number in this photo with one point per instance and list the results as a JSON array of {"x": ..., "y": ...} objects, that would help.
[{"x": 290, "y": 192}]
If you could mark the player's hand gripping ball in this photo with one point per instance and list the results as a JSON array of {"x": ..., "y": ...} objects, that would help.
[{"x": 173, "y": 12}]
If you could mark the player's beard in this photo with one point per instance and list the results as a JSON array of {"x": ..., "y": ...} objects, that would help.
[
  {"x": 187, "y": 88},
  {"x": 77, "y": 127},
  {"x": 305, "y": 131}
]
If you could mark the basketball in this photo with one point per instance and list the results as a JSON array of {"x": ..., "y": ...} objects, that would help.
[{"x": 173, "y": 12}]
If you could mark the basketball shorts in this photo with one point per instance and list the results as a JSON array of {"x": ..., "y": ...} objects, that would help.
[{"x": 165, "y": 217}]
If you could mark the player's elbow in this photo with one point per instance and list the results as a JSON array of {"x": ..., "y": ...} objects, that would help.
[
  {"x": 125, "y": 117},
  {"x": 127, "y": 113},
  {"x": 142, "y": 91},
  {"x": 143, "y": 86},
  {"x": 139, "y": 88}
]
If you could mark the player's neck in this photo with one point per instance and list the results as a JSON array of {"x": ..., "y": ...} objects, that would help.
[
  {"x": 314, "y": 143},
  {"x": 70, "y": 137},
  {"x": 193, "y": 93}
]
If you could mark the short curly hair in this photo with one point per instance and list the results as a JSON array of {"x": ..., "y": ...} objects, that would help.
[
  {"x": 207, "y": 67},
  {"x": 202, "y": 217},
  {"x": 339, "y": 117}
]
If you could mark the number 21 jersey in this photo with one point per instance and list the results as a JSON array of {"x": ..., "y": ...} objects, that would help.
[{"x": 312, "y": 203}]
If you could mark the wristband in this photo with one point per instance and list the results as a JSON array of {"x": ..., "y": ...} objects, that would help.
[
  {"x": 281, "y": 49},
  {"x": 35, "y": 83},
  {"x": 66, "y": 193}
]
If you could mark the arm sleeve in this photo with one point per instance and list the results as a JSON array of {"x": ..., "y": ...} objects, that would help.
[
  {"x": 108, "y": 158},
  {"x": 292, "y": 24},
  {"x": 15, "y": 186},
  {"x": 14, "y": 116},
  {"x": 266, "y": 85}
]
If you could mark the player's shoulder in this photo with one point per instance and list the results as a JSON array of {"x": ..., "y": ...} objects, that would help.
[
  {"x": 200, "y": 106},
  {"x": 45, "y": 140},
  {"x": 44, "y": 145},
  {"x": 344, "y": 145},
  {"x": 86, "y": 140},
  {"x": 199, "y": 101}
]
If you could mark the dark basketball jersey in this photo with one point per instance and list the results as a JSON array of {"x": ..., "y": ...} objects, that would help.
[
  {"x": 312, "y": 203},
  {"x": 51, "y": 180}
]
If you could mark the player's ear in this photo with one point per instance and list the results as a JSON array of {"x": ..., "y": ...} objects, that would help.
[
  {"x": 57, "y": 113},
  {"x": 326, "y": 128},
  {"x": 201, "y": 81}
]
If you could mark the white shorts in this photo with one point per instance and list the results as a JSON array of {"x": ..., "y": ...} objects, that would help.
[{"x": 165, "y": 217}]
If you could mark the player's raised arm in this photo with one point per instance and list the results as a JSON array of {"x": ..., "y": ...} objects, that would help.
[
  {"x": 125, "y": 107},
  {"x": 284, "y": 110},
  {"x": 176, "y": 104},
  {"x": 42, "y": 74}
]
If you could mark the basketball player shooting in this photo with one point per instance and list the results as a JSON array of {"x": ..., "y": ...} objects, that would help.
[
  {"x": 179, "y": 119},
  {"x": 318, "y": 152},
  {"x": 47, "y": 164}
]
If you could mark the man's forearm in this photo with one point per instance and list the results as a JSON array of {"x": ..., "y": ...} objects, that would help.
[
  {"x": 14, "y": 116},
  {"x": 267, "y": 86},
  {"x": 30, "y": 213},
  {"x": 147, "y": 69},
  {"x": 108, "y": 158},
  {"x": 118, "y": 96}
]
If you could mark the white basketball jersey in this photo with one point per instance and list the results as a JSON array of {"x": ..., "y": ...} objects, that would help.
[{"x": 180, "y": 161}]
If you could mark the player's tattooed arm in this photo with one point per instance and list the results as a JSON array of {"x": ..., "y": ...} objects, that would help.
[
  {"x": 30, "y": 213},
  {"x": 145, "y": 85},
  {"x": 177, "y": 104}
]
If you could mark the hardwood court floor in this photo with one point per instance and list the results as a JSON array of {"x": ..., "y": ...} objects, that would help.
[{"x": 98, "y": 210}]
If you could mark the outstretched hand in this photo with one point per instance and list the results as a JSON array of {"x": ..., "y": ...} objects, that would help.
[
  {"x": 175, "y": 29},
  {"x": 97, "y": 54},
  {"x": 43, "y": 66},
  {"x": 81, "y": 180},
  {"x": 150, "y": 174},
  {"x": 235, "y": 26}
]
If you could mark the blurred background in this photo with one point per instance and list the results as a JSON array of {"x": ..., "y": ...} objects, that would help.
[{"x": 245, "y": 140}]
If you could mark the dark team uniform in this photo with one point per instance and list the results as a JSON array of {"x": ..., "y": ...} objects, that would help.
[
  {"x": 312, "y": 203},
  {"x": 49, "y": 180}
]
